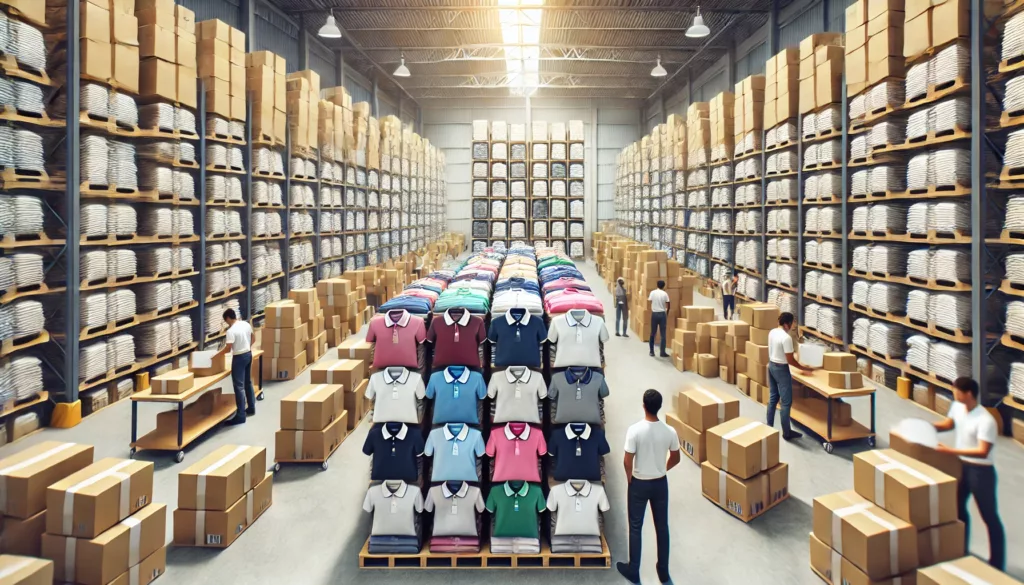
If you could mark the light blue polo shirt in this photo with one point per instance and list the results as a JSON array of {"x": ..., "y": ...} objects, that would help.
[
  {"x": 456, "y": 391},
  {"x": 455, "y": 448}
]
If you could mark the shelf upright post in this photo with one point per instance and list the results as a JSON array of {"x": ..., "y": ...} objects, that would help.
[
  {"x": 72, "y": 206},
  {"x": 247, "y": 191},
  {"x": 979, "y": 357},
  {"x": 199, "y": 325},
  {"x": 799, "y": 218},
  {"x": 286, "y": 221},
  {"x": 764, "y": 214},
  {"x": 317, "y": 201},
  {"x": 844, "y": 194}
]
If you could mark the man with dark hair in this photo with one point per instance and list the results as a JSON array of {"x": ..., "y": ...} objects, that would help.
[
  {"x": 239, "y": 340},
  {"x": 729, "y": 295},
  {"x": 780, "y": 381},
  {"x": 621, "y": 308},
  {"x": 976, "y": 432},
  {"x": 658, "y": 302},
  {"x": 652, "y": 448}
]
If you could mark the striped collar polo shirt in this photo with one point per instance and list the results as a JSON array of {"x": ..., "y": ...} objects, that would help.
[
  {"x": 517, "y": 392},
  {"x": 517, "y": 336},
  {"x": 395, "y": 450},
  {"x": 455, "y": 448},
  {"x": 455, "y": 509},
  {"x": 395, "y": 393},
  {"x": 394, "y": 505},
  {"x": 578, "y": 336},
  {"x": 577, "y": 504},
  {"x": 577, "y": 449},
  {"x": 456, "y": 391},
  {"x": 515, "y": 505},
  {"x": 577, "y": 393}
]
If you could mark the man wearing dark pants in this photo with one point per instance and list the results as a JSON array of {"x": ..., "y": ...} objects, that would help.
[
  {"x": 729, "y": 296},
  {"x": 238, "y": 341},
  {"x": 621, "y": 308},
  {"x": 976, "y": 432},
  {"x": 780, "y": 381},
  {"x": 658, "y": 303},
  {"x": 652, "y": 448}
]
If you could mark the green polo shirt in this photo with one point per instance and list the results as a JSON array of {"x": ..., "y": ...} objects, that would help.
[{"x": 515, "y": 511}]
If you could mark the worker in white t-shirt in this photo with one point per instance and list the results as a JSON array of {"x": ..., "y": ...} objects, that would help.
[
  {"x": 780, "y": 382},
  {"x": 239, "y": 340},
  {"x": 658, "y": 302},
  {"x": 976, "y": 432}
]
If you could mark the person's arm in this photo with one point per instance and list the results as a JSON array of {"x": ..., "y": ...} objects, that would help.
[
  {"x": 945, "y": 424},
  {"x": 791, "y": 359},
  {"x": 980, "y": 452},
  {"x": 627, "y": 463},
  {"x": 673, "y": 459}
]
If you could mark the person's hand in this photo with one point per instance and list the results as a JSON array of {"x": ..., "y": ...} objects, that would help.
[
  {"x": 807, "y": 371},
  {"x": 941, "y": 448}
]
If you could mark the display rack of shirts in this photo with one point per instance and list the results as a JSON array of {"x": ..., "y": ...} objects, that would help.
[
  {"x": 516, "y": 298},
  {"x": 518, "y": 282},
  {"x": 578, "y": 504},
  {"x": 455, "y": 449},
  {"x": 456, "y": 392},
  {"x": 395, "y": 506},
  {"x": 471, "y": 299},
  {"x": 515, "y": 506},
  {"x": 577, "y": 336},
  {"x": 576, "y": 395},
  {"x": 395, "y": 449},
  {"x": 456, "y": 506},
  {"x": 397, "y": 395},
  {"x": 572, "y": 298},
  {"x": 578, "y": 449},
  {"x": 456, "y": 337},
  {"x": 396, "y": 335},
  {"x": 516, "y": 448},
  {"x": 517, "y": 392},
  {"x": 517, "y": 336}
]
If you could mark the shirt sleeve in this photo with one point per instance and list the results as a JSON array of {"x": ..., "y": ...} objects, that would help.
[
  {"x": 542, "y": 332},
  {"x": 603, "y": 504},
  {"x": 787, "y": 345},
  {"x": 421, "y": 331},
  {"x": 492, "y": 387},
  {"x": 417, "y": 442},
  {"x": 229, "y": 337},
  {"x": 604, "y": 332},
  {"x": 479, "y": 503},
  {"x": 674, "y": 441},
  {"x": 491, "y": 449},
  {"x": 553, "y": 444},
  {"x": 491, "y": 503},
  {"x": 540, "y": 498},
  {"x": 478, "y": 446},
  {"x": 603, "y": 448},
  {"x": 650, "y": 297},
  {"x": 371, "y": 390},
  {"x": 954, "y": 410},
  {"x": 492, "y": 333},
  {"x": 552, "y": 500},
  {"x": 431, "y": 390},
  {"x": 428, "y": 505},
  {"x": 987, "y": 429},
  {"x": 481, "y": 332},
  {"x": 542, "y": 390},
  {"x": 371, "y": 333},
  {"x": 553, "y": 333},
  {"x": 481, "y": 388},
  {"x": 432, "y": 332},
  {"x": 630, "y": 446},
  {"x": 420, "y": 390},
  {"x": 603, "y": 391},
  {"x": 368, "y": 501},
  {"x": 418, "y": 503},
  {"x": 428, "y": 447},
  {"x": 542, "y": 445},
  {"x": 552, "y": 389}
]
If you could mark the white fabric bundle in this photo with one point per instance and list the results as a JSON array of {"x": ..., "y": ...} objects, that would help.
[
  {"x": 92, "y": 360},
  {"x": 782, "y": 190},
  {"x": 160, "y": 116},
  {"x": 950, "y": 63},
  {"x": 949, "y": 361},
  {"x": 951, "y": 265},
  {"x": 121, "y": 219},
  {"x": 887, "y": 178},
  {"x": 888, "y": 258},
  {"x": 890, "y": 217},
  {"x": 21, "y": 378},
  {"x": 918, "y": 123},
  {"x": 809, "y": 127},
  {"x": 829, "y": 119},
  {"x": 919, "y": 263},
  {"x": 184, "y": 120},
  {"x": 950, "y": 114},
  {"x": 953, "y": 311},
  {"x": 810, "y": 219},
  {"x": 887, "y": 298},
  {"x": 860, "y": 145},
  {"x": 786, "y": 132},
  {"x": 919, "y": 305},
  {"x": 156, "y": 177},
  {"x": 1016, "y": 382},
  {"x": 121, "y": 263},
  {"x": 233, "y": 219},
  {"x": 1015, "y": 268},
  {"x": 858, "y": 105},
  {"x": 121, "y": 304},
  {"x": 93, "y": 219},
  {"x": 93, "y": 309},
  {"x": 861, "y": 331},
  {"x": 860, "y": 292},
  {"x": 1014, "y": 154},
  {"x": 860, "y": 221},
  {"x": 157, "y": 221},
  {"x": 830, "y": 285},
  {"x": 949, "y": 216},
  {"x": 829, "y": 220},
  {"x": 1013, "y": 97},
  {"x": 155, "y": 338},
  {"x": 887, "y": 132},
  {"x": 860, "y": 182},
  {"x": 918, "y": 218},
  {"x": 811, "y": 188},
  {"x": 217, "y": 126},
  {"x": 949, "y": 167},
  {"x": 155, "y": 296},
  {"x": 918, "y": 76},
  {"x": 887, "y": 339},
  {"x": 918, "y": 350},
  {"x": 21, "y": 214},
  {"x": 830, "y": 321},
  {"x": 120, "y": 350},
  {"x": 1013, "y": 38},
  {"x": 94, "y": 159}
]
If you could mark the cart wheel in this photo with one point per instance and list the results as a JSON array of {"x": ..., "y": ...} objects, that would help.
[
  {"x": 179, "y": 456},
  {"x": 277, "y": 467},
  {"x": 871, "y": 441},
  {"x": 323, "y": 466},
  {"x": 131, "y": 453},
  {"x": 827, "y": 446}
]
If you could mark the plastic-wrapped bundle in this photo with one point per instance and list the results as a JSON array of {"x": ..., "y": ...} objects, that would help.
[
  {"x": 721, "y": 174},
  {"x": 860, "y": 293},
  {"x": 887, "y": 339},
  {"x": 948, "y": 361},
  {"x": 888, "y": 258},
  {"x": 810, "y": 219},
  {"x": 155, "y": 296},
  {"x": 919, "y": 263},
  {"x": 93, "y": 219},
  {"x": 1014, "y": 219},
  {"x": 860, "y": 260},
  {"x": 25, "y": 43},
  {"x": 156, "y": 177},
  {"x": 949, "y": 216},
  {"x": 918, "y": 350},
  {"x": 94, "y": 159},
  {"x": 92, "y": 360},
  {"x": 918, "y": 76},
  {"x": 918, "y": 305},
  {"x": 122, "y": 173},
  {"x": 93, "y": 310},
  {"x": 918, "y": 218},
  {"x": 558, "y": 188},
  {"x": 890, "y": 217},
  {"x": 950, "y": 63},
  {"x": 858, "y": 106},
  {"x": 860, "y": 221},
  {"x": 829, "y": 119},
  {"x": 1013, "y": 38},
  {"x": 120, "y": 350},
  {"x": 949, "y": 167},
  {"x": 830, "y": 220},
  {"x": 1013, "y": 97},
  {"x": 887, "y": 133},
  {"x": 1014, "y": 154},
  {"x": 783, "y": 190},
  {"x": 540, "y": 229},
  {"x": 860, "y": 146},
  {"x": 786, "y": 132},
  {"x": 860, "y": 182},
  {"x": 830, "y": 285},
  {"x": 157, "y": 221},
  {"x": 947, "y": 115},
  {"x": 121, "y": 219},
  {"x": 861, "y": 331},
  {"x": 235, "y": 159},
  {"x": 722, "y": 196},
  {"x": 887, "y": 298},
  {"x": 159, "y": 116},
  {"x": 184, "y": 120},
  {"x": 953, "y": 311},
  {"x": 887, "y": 178},
  {"x": 233, "y": 219},
  {"x": 951, "y": 265}
]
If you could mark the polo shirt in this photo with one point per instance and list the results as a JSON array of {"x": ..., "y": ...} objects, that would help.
[
  {"x": 577, "y": 449},
  {"x": 516, "y": 298},
  {"x": 565, "y": 282},
  {"x": 568, "y": 299},
  {"x": 457, "y": 342},
  {"x": 577, "y": 393},
  {"x": 394, "y": 392},
  {"x": 408, "y": 302},
  {"x": 395, "y": 340},
  {"x": 577, "y": 504},
  {"x": 517, "y": 282},
  {"x": 516, "y": 448},
  {"x": 394, "y": 505},
  {"x": 578, "y": 342},
  {"x": 454, "y": 511},
  {"x": 468, "y": 298},
  {"x": 456, "y": 391},
  {"x": 395, "y": 451},
  {"x": 475, "y": 284},
  {"x": 455, "y": 448},
  {"x": 553, "y": 272},
  {"x": 515, "y": 506},
  {"x": 517, "y": 391},
  {"x": 517, "y": 336},
  {"x": 555, "y": 261}
]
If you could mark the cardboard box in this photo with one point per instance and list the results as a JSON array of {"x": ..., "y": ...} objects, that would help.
[
  {"x": 217, "y": 365},
  {"x": 97, "y": 58},
  {"x": 939, "y": 544},
  {"x": 213, "y": 65},
  {"x": 22, "y": 536},
  {"x": 839, "y": 361},
  {"x": 807, "y": 95},
  {"x": 316, "y": 347},
  {"x": 757, "y": 372},
  {"x": 218, "y": 102},
  {"x": 310, "y": 445},
  {"x": 356, "y": 404},
  {"x": 845, "y": 380},
  {"x": 124, "y": 28},
  {"x": 174, "y": 382},
  {"x": 888, "y": 67},
  {"x": 979, "y": 570},
  {"x": 185, "y": 52},
  {"x": 288, "y": 349},
  {"x": 699, "y": 314},
  {"x": 857, "y": 14},
  {"x": 703, "y": 408},
  {"x": 743, "y": 383},
  {"x": 347, "y": 372},
  {"x": 237, "y": 80},
  {"x": 217, "y": 481},
  {"x": 19, "y": 570},
  {"x": 951, "y": 19},
  {"x": 214, "y": 29},
  {"x": 184, "y": 20},
  {"x": 312, "y": 407},
  {"x": 158, "y": 78},
  {"x": 876, "y": 542},
  {"x": 27, "y": 473},
  {"x": 878, "y": 7},
  {"x": 837, "y": 569},
  {"x": 913, "y": 491},
  {"x": 917, "y": 34},
  {"x": 187, "y": 89},
  {"x": 284, "y": 314},
  {"x": 220, "y": 529},
  {"x": 125, "y": 67},
  {"x": 284, "y": 368},
  {"x": 743, "y": 498},
  {"x": 101, "y": 560},
  {"x": 944, "y": 462},
  {"x": 156, "y": 41},
  {"x": 743, "y": 447},
  {"x": 828, "y": 83},
  {"x": 691, "y": 441},
  {"x": 759, "y": 336},
  {"x": 94, "y": 22},
  {"x": 778, "y": 483},
  {"x": 358, "y": 349},
  {"x": 237, "y": 57},
  {"x": 763, "y": 317},
  {"x": 237, "y": 39},
  {"x": 707, "y": 365},
  {"x": 809, "y": 45},
  {"x": 279, "y": 335},
  {"x": 88, "y": 502}
]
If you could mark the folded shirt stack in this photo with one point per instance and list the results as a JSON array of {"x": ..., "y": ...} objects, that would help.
[
  {"x": 394, "y": 545},
  {"x": 515, "y": 545}
]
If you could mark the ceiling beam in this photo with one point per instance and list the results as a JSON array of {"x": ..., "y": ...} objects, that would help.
[
  {"x": 638, "y": 73},
  {"x": 486, "y": 8},
  {"x": 545, "y": 28},
  {"x": 718, "y": 33},
  {"x": 551, "y": 46},
  {"x": 506, "y": 80}
]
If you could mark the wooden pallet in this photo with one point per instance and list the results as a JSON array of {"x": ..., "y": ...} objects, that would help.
[
  {"x": 781, "y": 145},
  {"x": 822, "y": 166},
  {"x": 10, "y": 241},
  {"x": 42, "y": 119},
  {"x": 224, "y": 293},
  {"x": 107, "y": 328},
  {"x": 19, "y": 292},
  {"x": 928, "y": 193},
  {"x": 225, "y": 139},
  {"x": 268, "y": 175},
  {"x": 485, "y": 559},
  {"x": 224, "y": 169},
  {"x": 12, "y": 178},
  {"x": 10, "y": 346},
  {"x": 933, "y": 138},
  {"x": 936, "y": 92},
  {"x": 12, "y": 68}
]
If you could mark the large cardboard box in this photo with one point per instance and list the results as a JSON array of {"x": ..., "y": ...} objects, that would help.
[
  {"x": 356, "y": 404},
  {"x": 838, "y": 569},
  {"x": 917, "y": 34},
  {"x": 347, "y": 372},
  {"x": 764, "y": 317},
  {"x": 218, "y": 363},
  {"x": 88, "y": 502},
  {"x": 839, "y": 361},
  {"x": 146, "y": 571},
  {"x": 905, "y": 487},
  {"x": 22, "y": 536},
  {"x": 187, "y": 89},
  {"x": 276, "y": 335},
  {"x": 358, "y": 349},
  {"x": 101, "y": 560},
  {"x": 702, "y": 408},
  {"x": 155, "y": 41},
  {"x": 691, "y": 441},
  {"x": 20, "y": 570},
  {"x": 310, "y": 445},
  {"x": 311, "y": 407},
  {"x": 876, "y": 542},
  {"x": 978, "y": 570},
  {"x": 284, "y": 314},
  {"x": 756, "y": 352},
  {"x": 707, "y": 365},
  {"x": 94, "y": 23},
  {"x": 743, "y": 447},
  {"x": 27, "y": 473},
  {"x": 759, "y": 336},
  {"x": 743, "y": 498},
  {"x": 214, "y": 29},
  {"x": 213, "y": 65},
  {"x": 174, "y": 382},
  {"x": 216, "y": 481},
  {"x": 220, "y": 529},
  {"x": 757, "y": 372},
  {"x": 944, "y": 462},
  {"x": 828, "y": 82},
  {"x": 158, "y": 78},
  {"x": 288, "y": 349},
  {"x": 845, "y": 380},
  {"x": 951, "y": 19},
  {"x": 97, "y": 58},
  {"x": 125, "y": 67},
  {"x": 942, "y": 543},
  {"x": 284, "y": 368}
]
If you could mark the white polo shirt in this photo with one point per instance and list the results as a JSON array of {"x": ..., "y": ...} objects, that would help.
[
  {"x": 577, "y": 504},
  {"x": 395, "y": 397},
  {"x": 578, "y": 342},
  {"x": 972, "y": 427},
  {"x": 518, "y": 390}
]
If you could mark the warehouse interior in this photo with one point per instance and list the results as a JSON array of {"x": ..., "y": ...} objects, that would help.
[{"x": 330, "y": 170}]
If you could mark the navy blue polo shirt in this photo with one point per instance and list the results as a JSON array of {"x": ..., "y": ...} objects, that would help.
[
  {"x": 577, "y": 449},
  {"x": 513, "y": 350},
  {"x": 396, "y": 449}
]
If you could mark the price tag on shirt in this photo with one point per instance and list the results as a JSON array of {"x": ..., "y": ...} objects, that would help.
[
  {"x": 515, "y": 505},
  {"x": 394, "y": 335},
  {"x": 519, "y": 337},
  {"x": 394, "y": 505},
  {"x": 455, "y": 449},
  {"x": 455, "y": 508},
  {"x": 579, "y": 393},
  {"x": 456, "y": 334},
  {"x": 455, "y": 391},
  {"x": 579, "y": 449},
  {"x": 519, "y": 393},
  {"x": 579, "y": 505},
  {"x": 517, "y": 448}
]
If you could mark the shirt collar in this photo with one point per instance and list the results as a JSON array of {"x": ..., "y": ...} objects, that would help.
[
  {"x": 584, "y": 375},
  {"x": 512, "y": 320},
  {"x": 587, "y": 318},
  {"x": 448, "y": 377},
  {"x": 463, "y": 433},
  {"x": 401, "y": 379},
  {"x": 463, "y": 321},
  {"x": 463, "y": 489},
  {"x": 401, "y": 322},
  {"x": 400, "y": 492},
  {"x": 583, "y": 491},
  {"x": 512, "y": 379},
  {"x": 569, "y": 433},
  {"x": 511, "y": 436},
  {"x": 400, "y": 434},
  {"x": 522, "y": 491}
]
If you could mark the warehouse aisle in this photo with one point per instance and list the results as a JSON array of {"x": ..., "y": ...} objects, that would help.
[{"x": 315, "y": 528}]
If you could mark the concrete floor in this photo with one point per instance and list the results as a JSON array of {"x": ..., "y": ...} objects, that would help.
[{"x": 316, "y": 527}]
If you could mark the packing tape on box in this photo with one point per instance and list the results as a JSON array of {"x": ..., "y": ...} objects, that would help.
[
  {"x": 935, "y": 542},
  {"x": 124, "y": 504},
  {"x": 134, "y": 575},
  {"x": 933, "y": 486},
  {"x": 22, "y": 465},
  {"x": 134, "y": 539},
  {"x": 719, "y": 401},
  {"x": 200, "y": 527},
  {"x": 721, "y": 486},
  {"x": 960, "y": 573},
  {"x": 864, "y": 508},
  {"x": 737, "y": 432},
  {"x": 837, "y": 522},
  {"x": 70, "y": 556},
  {"x": 15, "y": 567},
  {"x": 298, "y": 445},
  {"x": 331, "y": 369},
  {"x": 278, "y": 311},
  {"x": 837, "y": 567},
  {"x": 847, "y": 378},
  {"x": 300, "y": 406},
  {"x": 201, "y": 478},
  {"x": 248, "y": 507}
]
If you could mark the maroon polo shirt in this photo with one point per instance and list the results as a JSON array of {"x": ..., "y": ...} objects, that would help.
[{"x": 448, "y": 351}]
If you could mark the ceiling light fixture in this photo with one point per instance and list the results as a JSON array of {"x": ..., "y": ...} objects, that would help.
[
  {"x": 658, "y": 70},
  {"x": 402, "y": 70},
  {"x": 330, "y": 28},
  {"x": 698, "y": 29}
]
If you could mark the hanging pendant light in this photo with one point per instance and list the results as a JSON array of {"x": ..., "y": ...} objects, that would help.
[
  {"x": 330, "y": 28},
  {"x": 402, "y": 70},
  {"x": 698, "y": 29},
  {"x": 658, "y": 70}
]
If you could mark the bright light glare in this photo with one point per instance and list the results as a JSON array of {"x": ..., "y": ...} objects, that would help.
[{"x": 520, "y": 31}]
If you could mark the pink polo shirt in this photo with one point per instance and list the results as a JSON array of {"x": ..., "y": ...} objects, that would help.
[
  {"x": 561, "y": 301},
  {"x": 563, "y": 283},
  {"x": 396, "y": 341},
  {"x": 516, "y": 448}
]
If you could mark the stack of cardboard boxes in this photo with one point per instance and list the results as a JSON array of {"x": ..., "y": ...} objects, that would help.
[
  {"x": 748, "y": 112},
  {"x": 313, "y": 423},
  {"x": 821, "y": 71},
  {"x": 677, "y": 138},
  {"x": 698, "y": 133},
  {"x": 356, "y": 403},
  {"x": 653, "y": 266},
  {"x": 283, "y": 341},
  {"x": 686, "y": 345},
  {"x": 109, "y": 42},
  {"x": 343, "y": 140},
  {"x": 102, "y": 526},
  {"x": 696, "y": 411},
  {"x": 742, "y": 473},
  {"x": 933, "y": 24},
  {"x": 340, "y": 301},
  {"x": 360, "y": 136},
  {"x": 351, "y": 375},
  {"x": 390, "y": 141},
  {"x": 722, "y": 111},
  {"x": 313, "y": 319},
  {"x": 168, "y": 48},
  {"x": 760, "y": 318},
  {"x": 303, "y": 97},
  {"x": 781, "y": 89},
  {"x": 222, "y": 68},
  {"x": 331, "y": 135},
  {"x": 900, "y": 515},
  {"x": 265, "y": 80},
  {"x": 874, "y": 43},
  {"x": 727, "y": 345},
  {"x": 221, "y": 495}
]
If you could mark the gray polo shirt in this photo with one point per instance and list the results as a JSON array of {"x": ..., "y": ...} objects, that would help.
[
  {"x": 396, "y": 393},
  {"x": 454, "y": 513},
  {"x": 394, "y": 505},
  {"x": 577, "y": 504},
  {"x": 577, "y": 394},
  {"x": 577, "y": 342},
  {"x": 518, "y": 389}
]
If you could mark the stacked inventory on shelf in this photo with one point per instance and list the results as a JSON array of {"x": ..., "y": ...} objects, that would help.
[
  {"x": 304, "y": 222},
  {"x": 745, "y": 194},
  {"x": 698, "y": 186}
]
